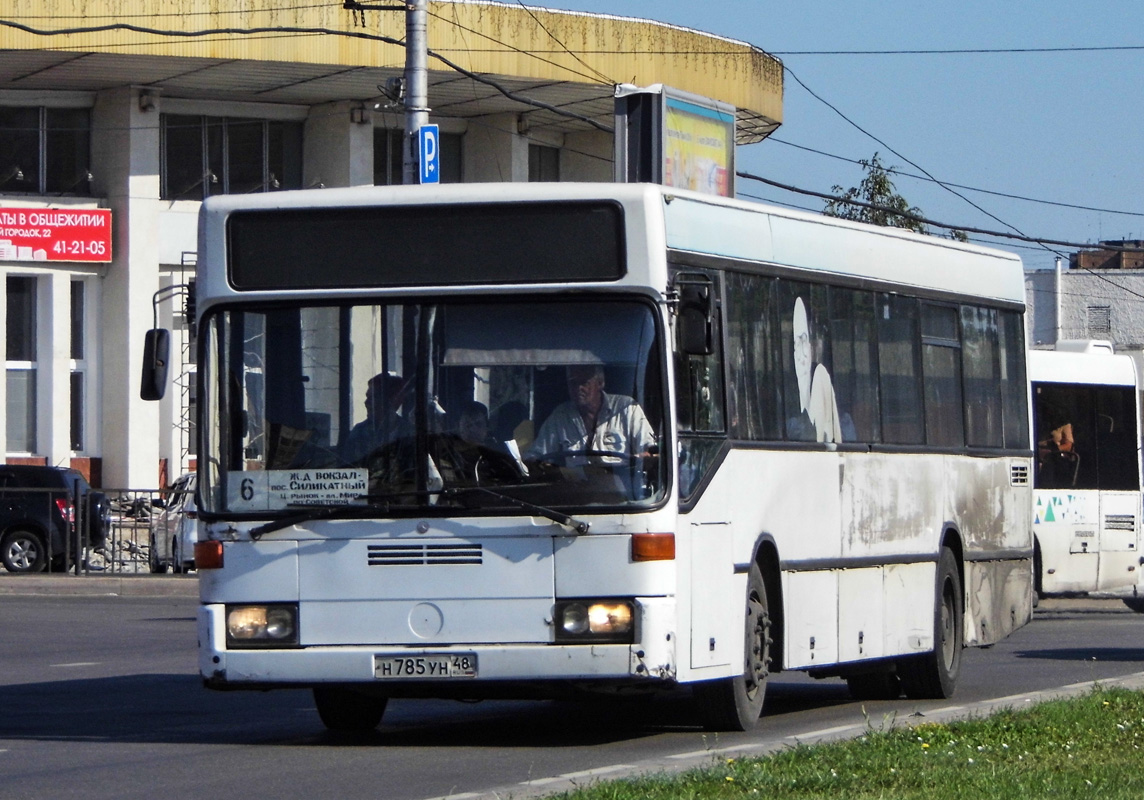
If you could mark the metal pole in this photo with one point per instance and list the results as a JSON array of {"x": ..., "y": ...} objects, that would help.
[
  {"x": 416, "y": 85},
  {"x": 1059, "y": 306}
]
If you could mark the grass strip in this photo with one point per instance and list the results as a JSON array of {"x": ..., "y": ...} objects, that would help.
[{"x": 1083, "y": 747}]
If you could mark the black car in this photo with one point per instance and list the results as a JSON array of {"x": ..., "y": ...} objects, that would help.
[{"x": 48, "y": 515}]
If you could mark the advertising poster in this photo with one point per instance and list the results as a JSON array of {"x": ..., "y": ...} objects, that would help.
[
  {"x": 699, "y": 147},
  {"x": 55, "y": 234}
]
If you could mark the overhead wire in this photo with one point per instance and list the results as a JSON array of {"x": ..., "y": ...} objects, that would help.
[
  {"x": 281, "y": 30},
  {"x": 1007, "y": 195},
  {"x": 492, "y": 83},
  {"x": 913, "y": 164}
]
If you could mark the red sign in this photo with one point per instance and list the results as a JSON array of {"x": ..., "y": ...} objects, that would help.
[{"x": 55, "y": 234}]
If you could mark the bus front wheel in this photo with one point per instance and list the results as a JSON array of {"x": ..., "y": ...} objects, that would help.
[
  {"x": 346, "y": 711},
  {"x": 735, "y": 704},
  {"x": 934, "y": 675}
]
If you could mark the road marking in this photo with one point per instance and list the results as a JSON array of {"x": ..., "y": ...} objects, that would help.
[
  {"x": 77, "y": 664},
  {"x": 572, "y": 776},
  {"x": 826, "y": 731}
]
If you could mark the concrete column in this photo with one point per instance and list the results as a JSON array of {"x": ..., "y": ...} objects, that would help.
[
  {"x": 494, "y": 151},
  {"x": 125, "y": 163},
  {"x": 53, "y": 368},
  {"x": 338, "y": 148}
]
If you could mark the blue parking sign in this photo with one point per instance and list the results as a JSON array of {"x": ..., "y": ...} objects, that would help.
[{"x": 428, "y": 137}]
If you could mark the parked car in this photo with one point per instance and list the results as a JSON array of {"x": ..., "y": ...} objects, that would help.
[
  {"x": 48, "y": 515},
  {"x": 173, "y": 528}
]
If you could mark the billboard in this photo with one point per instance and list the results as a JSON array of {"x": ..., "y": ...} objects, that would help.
[
  {"x": 55, "y": 234},
  {"x": 667, "y": 136}
]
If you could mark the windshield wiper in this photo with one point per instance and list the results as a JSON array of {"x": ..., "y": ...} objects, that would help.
[
  {"x": 374, "y": 504},
  {"x": 573, "y": 524}
]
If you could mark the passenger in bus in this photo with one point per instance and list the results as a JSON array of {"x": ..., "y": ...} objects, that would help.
[
  {"x": 471, "y": 454},
  {"x": 818, "y": 419},
  {"x": 383, "y": 423},
  {"x": 593, "y": 420},
  {"x": 1057, "y": 460}
]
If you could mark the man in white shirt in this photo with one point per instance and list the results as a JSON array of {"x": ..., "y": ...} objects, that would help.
[{"x": 592, "y": 420}]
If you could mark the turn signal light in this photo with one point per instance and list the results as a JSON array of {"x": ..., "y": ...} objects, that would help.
[
  {"x": 653, "y": 547},
  {"x": 208, "y": 555}
]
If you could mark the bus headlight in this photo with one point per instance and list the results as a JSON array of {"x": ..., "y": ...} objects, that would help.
[
  {"x": 595, "y": 621},
  {"x": 262, "y": 626}
]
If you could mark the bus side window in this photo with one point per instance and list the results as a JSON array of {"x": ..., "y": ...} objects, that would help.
[{"x": 700, "y": 400}]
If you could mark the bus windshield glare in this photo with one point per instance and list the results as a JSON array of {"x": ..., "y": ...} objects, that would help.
[{"x": 487, "y": 407}]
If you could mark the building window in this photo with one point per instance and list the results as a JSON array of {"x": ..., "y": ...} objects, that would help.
[
  {"x": 1099, "y": 321},
  {"x": 387, "y": 157},
  {"x": 21, "y": 365},
  {"x": 543, "y": 163},
  {"x": 78, "y": 398},
  {"x": 45, "y": 150},
  {"x": 204, "y": 156}
]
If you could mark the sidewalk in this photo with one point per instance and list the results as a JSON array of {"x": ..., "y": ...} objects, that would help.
[{"x": 129, "y": 585}]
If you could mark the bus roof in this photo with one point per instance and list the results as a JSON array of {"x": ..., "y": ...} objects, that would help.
[
  {"x": 1096, "y": 366},
  {"x": 659, "y": 218}
]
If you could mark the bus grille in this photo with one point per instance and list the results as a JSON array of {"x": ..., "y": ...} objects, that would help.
[
  {"x": 1120, "y": 522},
  {"x": 405, "y": 555}
]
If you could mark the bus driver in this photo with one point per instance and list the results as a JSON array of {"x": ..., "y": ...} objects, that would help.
[{"x": 593, "y": 421}]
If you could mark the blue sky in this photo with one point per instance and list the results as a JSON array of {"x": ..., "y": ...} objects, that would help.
[{"x": 1066, "y": 127}]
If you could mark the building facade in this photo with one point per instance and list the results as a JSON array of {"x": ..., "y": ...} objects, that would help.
[{"x": 108, "y": 106}]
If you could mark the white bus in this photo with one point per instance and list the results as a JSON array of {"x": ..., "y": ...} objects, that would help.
[
  {"x": 1087, "y": 489},
  {"x": 724, "y": 440}
]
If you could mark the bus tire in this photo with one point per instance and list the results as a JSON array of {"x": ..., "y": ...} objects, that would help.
[
  {"x": 346, "y": 711},
  {"x": 934, "y": 675},
  {"x": 735, "y": 704},
  {"x": 1135, "y": 603}
]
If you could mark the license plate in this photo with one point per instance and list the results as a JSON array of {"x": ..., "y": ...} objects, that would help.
[{"x": 428, "y": 666}]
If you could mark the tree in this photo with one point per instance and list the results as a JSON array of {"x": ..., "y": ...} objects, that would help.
[{"x": 876, "y": 202}]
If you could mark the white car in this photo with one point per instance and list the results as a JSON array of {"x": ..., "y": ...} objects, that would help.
[{"x": 174, "y": 528}]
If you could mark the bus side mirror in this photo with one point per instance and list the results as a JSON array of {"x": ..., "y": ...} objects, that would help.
[
  {"x": 696, "y": 331},
  {"x": 156, "y": 357}
]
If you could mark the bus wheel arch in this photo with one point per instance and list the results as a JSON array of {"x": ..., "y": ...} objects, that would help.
[
  {"x": 934, "y": 675},
  {"x": 736, "y": 703},
  {"x": 767, "y": 560}
]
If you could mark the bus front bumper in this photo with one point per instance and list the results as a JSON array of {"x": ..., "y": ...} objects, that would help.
[{"x": 651, "y": 659}]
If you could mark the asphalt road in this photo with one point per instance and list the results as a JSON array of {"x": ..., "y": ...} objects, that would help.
[{"x": 99, "y": 698}]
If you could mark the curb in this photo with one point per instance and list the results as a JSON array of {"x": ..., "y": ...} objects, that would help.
[{"x": 100, "y": 585}]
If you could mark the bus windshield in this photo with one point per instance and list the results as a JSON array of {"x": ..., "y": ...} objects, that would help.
[{"x": 418, "y": 408}]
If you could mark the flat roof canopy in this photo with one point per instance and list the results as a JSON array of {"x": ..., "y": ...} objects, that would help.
[{"x": 310, "y": 55}]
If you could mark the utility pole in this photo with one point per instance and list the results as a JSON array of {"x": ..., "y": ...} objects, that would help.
[
  {"x": 416, "y": 79},
  {"x": 416, "y": 86}
]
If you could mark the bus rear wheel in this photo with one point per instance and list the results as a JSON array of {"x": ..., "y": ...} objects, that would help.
[
  {"x": 346, "y": 711},
  {"x": 735, "y": 704},
  {"x": 934, "y": 675}
]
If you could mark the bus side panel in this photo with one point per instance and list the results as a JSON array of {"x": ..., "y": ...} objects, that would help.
[
  {"x": 1119, "y": 541},
  {"x": 1066, "y": 524},
  {"x": 885, "y": 514},
  {"x": 861, "y": 619},
  {"x": 999, "y": 599},
  {"x": 811, "y": 634},
  {"x": 909, "y": 621}
]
